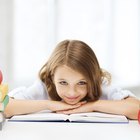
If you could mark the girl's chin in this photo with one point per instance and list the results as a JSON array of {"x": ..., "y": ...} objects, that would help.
[{"x": 72, "y": 102}]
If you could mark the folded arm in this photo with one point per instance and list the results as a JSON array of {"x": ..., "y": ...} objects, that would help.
[
  {"x": 18, "y": 106},
  {"x": 128, "y": 107}
]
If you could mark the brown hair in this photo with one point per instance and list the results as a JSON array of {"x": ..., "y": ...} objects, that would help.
[{"x": 80, "y": 57}]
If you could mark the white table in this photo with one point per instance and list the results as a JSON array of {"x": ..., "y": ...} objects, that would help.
[{"x": 69, "y": 131}]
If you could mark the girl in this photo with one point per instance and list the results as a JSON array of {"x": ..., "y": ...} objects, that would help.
[{"x": 72, "y": 82}]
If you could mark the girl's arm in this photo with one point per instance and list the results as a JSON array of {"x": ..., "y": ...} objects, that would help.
[
  {"x": 128, "y": 107},
  {"x": 18, "y": 107}
]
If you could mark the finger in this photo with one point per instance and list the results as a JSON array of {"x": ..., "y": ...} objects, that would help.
[
  {"x": 66, "y": 111},
  {"x": 74, "y": 106},
  {"x": 83, "y": 102},
  {"x": 63, "y": 112},
  {"x": 59, "y": 112},
  {"x": 70, "y": 111},
  {"x": 79, "y": 103}
]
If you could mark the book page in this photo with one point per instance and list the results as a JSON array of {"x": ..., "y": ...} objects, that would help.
[
  {"x": 40, "y": 116},
  {"x": 79, "y": 117},
  {"x": 96, "y": 114},
  {"x": 97, "y": 117}
]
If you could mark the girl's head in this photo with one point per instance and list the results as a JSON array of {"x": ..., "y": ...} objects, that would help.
[{"x": 72, "y": 73}]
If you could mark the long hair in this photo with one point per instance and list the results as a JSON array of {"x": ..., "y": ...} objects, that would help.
[{"x": 80, "y": 57}]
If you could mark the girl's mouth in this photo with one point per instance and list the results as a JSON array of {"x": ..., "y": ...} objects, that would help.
[{"x": 72, "y": 98}]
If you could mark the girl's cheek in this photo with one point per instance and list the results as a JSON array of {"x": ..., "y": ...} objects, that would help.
[
  {"x": 61, "y": 90},
  {"x": 82, "y": 90}
]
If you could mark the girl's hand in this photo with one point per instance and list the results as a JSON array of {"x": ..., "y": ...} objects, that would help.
[
  {"x": 86, "y": 107},
  {"x": 61, "y": 106}
]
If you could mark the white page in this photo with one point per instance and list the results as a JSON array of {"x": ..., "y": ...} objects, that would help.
[
  {"x": 79, "y": 117},
  {"x": 98, "y": 117},
  {"x": 40, "y": 116}
]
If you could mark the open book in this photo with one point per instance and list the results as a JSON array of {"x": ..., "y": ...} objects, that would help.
[{"x": 91, "y": 117}]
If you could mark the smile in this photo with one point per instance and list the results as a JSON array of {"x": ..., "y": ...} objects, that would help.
[{"x": 72, "y": 98}]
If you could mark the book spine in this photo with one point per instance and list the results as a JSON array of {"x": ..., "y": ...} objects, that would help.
[
  {"x": 3, "y": 91},
  {"x": 4, "y": 103}
]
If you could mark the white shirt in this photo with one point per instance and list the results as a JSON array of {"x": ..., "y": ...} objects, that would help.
[{"x": 38, "y": 91}]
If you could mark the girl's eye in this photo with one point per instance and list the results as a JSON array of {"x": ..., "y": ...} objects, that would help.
[
  {"x": 82, "y": 83},
  {"x": 63, "y": 83}
]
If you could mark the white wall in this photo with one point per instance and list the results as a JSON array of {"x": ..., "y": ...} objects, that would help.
[
  {"x": 30, "y": 29},
  {"x": 6, "y": 39},
  {"x": 33, "y": 37}
]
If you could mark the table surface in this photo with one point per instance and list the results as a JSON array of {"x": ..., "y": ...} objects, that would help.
[{"x": 69, "y": 131}]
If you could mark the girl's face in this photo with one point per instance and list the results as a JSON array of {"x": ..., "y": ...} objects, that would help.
[{"x": 70, "y": 85}]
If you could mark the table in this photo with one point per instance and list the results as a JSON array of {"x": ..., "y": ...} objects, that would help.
[{"x": 69, "y": 131}]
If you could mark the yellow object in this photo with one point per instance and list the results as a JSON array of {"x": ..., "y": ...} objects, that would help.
[{"x": 3, "y": 91}]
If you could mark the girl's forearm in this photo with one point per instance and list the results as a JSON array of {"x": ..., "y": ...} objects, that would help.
[
  {"x": 128, "y": 107},
  {"x": 17, "y": 107}
]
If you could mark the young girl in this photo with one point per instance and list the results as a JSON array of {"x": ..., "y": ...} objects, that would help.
[{"x": 72, "y": 81}]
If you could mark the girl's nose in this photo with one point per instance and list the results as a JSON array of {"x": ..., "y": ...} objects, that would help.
[{"x": 72, "y": 92}]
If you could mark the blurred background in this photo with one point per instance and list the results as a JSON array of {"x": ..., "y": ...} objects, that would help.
[{"x": 30, "y": 30}]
